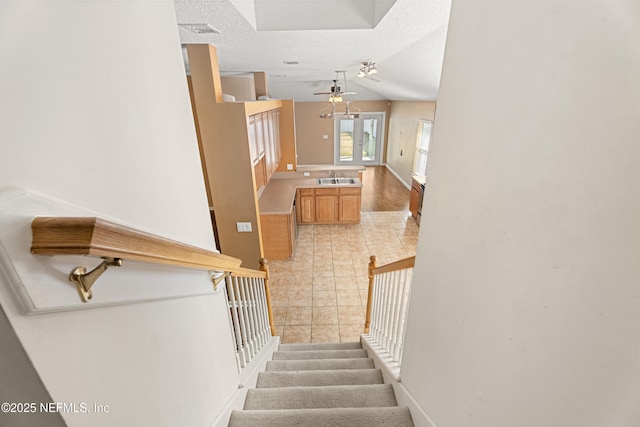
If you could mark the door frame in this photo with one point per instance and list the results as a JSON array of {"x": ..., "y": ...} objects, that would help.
[{"x": 380, "y": 143}]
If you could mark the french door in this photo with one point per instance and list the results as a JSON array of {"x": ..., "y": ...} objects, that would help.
[{"x": 359, "y": 141}]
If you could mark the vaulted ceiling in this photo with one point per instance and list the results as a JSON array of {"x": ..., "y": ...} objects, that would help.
[{"x": 301, "y": 44}]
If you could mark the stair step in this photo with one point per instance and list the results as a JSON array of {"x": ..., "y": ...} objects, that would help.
[
  {"x": 341, "y": 396},
  {"x": 319, "y": 378},
  {"x": 320, "y": 346},
  {"x": 319, "y": 364},
  {"x": 319, "y": 354},
  {"x": 330, "y": 417}
]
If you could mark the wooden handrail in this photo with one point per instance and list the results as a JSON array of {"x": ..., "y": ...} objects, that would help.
[
  {"x": 387, "y": 268},
  {"x": 101, "y": 238},
  {"x": 393, "y": 266},
  {"x": 113, "y": 242}
]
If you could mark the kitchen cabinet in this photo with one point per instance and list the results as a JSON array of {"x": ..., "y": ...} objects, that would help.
[
  {"x": 414, "y": 197},
  {"x": 349, "y": 201},
  {"x": 264, "y": 143},
  {"x": 306, "y": 206},
  {"x": 326, "y": 205},
  {"x": 278, "y": 235},
  {"x": 259, "y": 174},
  {"x": 336, "y": 205}
]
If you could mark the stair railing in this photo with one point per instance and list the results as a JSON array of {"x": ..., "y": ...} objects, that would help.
[
  {"x": 250, "y": 312},
  {"x": 247, "y": 290},
  {"x": 387, "y": 305}
]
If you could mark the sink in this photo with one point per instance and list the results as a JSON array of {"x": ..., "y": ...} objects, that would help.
[{"x": 336, "y": 181}]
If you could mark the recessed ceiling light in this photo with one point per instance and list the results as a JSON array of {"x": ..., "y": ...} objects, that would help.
[
  {"x": 291, "y": 62},
  {"x": 200, "y": 28}
]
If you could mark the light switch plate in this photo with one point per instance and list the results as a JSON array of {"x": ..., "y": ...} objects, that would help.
[
  {"x": 289, "y": 166},
  {"x": 306, "y": 174},
  {"x": 243, "y": 227}
]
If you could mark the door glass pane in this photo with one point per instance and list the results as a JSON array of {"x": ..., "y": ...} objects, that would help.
[
  {"x": 346, "y": 140},
  {"x": 369, "y": 139}
]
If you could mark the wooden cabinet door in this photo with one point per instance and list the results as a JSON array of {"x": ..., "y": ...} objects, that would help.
[
  {"x": 326, "y": 208},
  {"x": 414, "y": 197},
  {"x": 349, "y": 208},
  {"x": 306, "y": 207},
  {"x": 276, "y": 137},
  {"x": 259, "y": 124},
  {"x": 253, "y": 147},
  {"x": 268, "y": 145},
  {"x": 292, "y": 232},
  {"x": 349, "y": 205}
]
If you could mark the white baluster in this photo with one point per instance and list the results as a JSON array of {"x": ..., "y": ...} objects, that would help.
[
  {"x": 232, "y": 323},
  {"x": 250, "y": 316},
  {"x": 237, "y": 320}
]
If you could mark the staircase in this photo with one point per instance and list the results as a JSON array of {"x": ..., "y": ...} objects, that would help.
[{"x": 321, "y": 385}]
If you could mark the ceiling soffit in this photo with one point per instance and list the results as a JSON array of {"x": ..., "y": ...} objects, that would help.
[{"x": 300, "y": 15}]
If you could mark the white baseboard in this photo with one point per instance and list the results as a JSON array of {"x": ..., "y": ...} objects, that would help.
[
  {"x": 390, "y": 169},
  {"x": 391, "y": 375},
  {"x": 248, "y": 380}
]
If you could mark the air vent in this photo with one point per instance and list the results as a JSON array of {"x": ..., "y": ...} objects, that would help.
[
  {"x": 200, "y": 28},
  {"x": 291, "y": 62}
]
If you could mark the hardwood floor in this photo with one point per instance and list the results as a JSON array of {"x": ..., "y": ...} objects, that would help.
[{"x": 382, "y": 191}]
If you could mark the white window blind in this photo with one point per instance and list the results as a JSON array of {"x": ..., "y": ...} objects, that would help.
[{"x": 422, "y": 148}]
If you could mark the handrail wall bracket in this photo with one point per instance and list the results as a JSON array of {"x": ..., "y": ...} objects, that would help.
[
  {"x": 216, "y": 280},
  {"x": 84, "y": 280}
]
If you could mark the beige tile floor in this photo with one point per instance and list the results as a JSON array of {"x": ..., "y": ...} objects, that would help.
[{"x": 320, "y": 293}]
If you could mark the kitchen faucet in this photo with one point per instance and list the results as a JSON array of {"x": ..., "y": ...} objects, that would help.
[{"x": 332, "y": 174}]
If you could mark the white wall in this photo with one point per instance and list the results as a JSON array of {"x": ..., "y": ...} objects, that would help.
[
  {"x": 525, "y": 310},
  {"x": 100, "y": 116},
  {"x": 94, "y": 110}
]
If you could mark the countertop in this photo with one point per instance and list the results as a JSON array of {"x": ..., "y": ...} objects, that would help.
[
  {"x": 277, "y": 197},
  {"x": 420, "y": 179}
]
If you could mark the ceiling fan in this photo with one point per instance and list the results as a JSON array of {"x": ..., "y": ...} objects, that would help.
[{"x": 335, "y": 94}]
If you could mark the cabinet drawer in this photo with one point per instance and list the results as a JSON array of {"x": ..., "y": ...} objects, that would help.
[
  {"x": 350, "y": 191},
  {"x": 326, "y": 191},
  {"x": 305, "y": 191}
]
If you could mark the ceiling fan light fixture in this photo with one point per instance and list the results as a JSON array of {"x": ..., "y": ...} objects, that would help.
[
  {"x": 335, "y": 96},
  {"x": 367, "y": 69}
]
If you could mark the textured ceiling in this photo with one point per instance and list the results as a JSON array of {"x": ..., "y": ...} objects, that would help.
[{"x": 407, "y": 46}]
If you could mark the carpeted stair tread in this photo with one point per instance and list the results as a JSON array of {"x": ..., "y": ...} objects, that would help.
[
  {"x": 321, "y": 385},
  {"x": 331, "y": 417},
  {"x": 318, "y": 364},
  {"x": 320, "y": 346},
  {"x": 319, "y": 378},
  {"x": 343, "y": 396},
  {"x": 319, "y": 354}
]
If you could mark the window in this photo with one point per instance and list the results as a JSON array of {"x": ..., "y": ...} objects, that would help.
[{"x": 422, "y": 148}]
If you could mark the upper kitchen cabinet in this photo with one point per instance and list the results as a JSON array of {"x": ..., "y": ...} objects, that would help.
[
  {"x": 264, "y": 144},
  {"x": 241, "y": 144}
]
